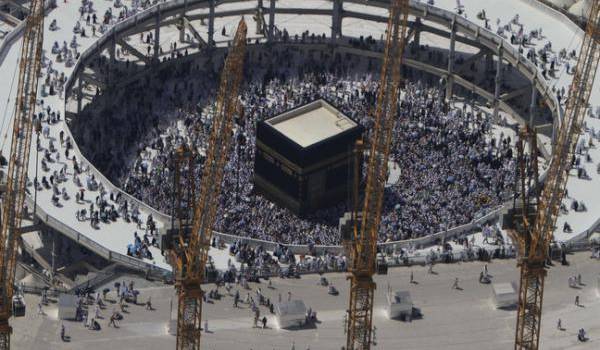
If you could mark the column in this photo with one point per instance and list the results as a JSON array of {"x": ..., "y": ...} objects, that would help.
[
  {"x": 113, "y": 47},
  {"x": 417, "y": 36},
  {"x": 260, "y": 25},
  {"x": 532, "y": 106},
  {"x": 498, "y": 81},
  {"x": 111, "y": 51},
  {"x": 336, "y": 19},
  {"x": 211, "y": 23},
  {"x": 555, "y": 126},
  {"x": 79, "y": 93},
  {"x": 271, "y": 19},
  {"x": 157, "y": 34},
  {"x": 489, "y": 62},
  {"x": 450, "y": 80},
  {"x": 182, "y": 28}
]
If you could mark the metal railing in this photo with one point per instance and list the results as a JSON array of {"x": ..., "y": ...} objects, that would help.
[
  {"x": 475, "y": 253},
  {"x": 338, "y": 249},
  {"x": 127, "y": 261}
]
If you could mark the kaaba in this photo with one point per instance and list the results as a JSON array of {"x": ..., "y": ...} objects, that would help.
[{"x": 305, "y": 157}]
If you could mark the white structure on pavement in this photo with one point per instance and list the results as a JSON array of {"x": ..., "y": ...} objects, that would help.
[
  {"x": 399, "y": 304},
  {"x": 290, "y": 313},
  {"x": 67, "y": 307},
  {"x": 505, "y": 295}
]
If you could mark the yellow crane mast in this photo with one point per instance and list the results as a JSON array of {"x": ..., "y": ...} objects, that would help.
[
  {"x": 533, "y": 238},
  {"x": 192, "y": 251},
  {"x": 14, "y": 197},
  {"x": 364, "y": 248}
]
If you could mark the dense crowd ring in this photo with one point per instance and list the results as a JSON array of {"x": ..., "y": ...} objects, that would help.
[{"x": 453, "y": 168}]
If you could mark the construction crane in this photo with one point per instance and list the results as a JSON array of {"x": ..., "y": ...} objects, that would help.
[
  {"x": 364, "y": 247},
  {"x": 537, "y": 212},
  {"x": 14, "y": 197},
  {"x": 191, "y": 251}
]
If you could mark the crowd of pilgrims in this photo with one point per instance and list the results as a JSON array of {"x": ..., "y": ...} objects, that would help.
[{"x": 453, "y": 168}]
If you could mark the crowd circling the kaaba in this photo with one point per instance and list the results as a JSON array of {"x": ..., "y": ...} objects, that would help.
[
  {"x": 453, "y": 168},
  {"x": 455, "y": 163}
]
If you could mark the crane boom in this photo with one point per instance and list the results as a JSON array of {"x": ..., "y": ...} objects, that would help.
[
  {"x": 576, "y": 106},
  {"x": 191, "y": 261},
  {"x": 535, "y": 237},
  {"x": 364, "y": 249},
  {"x": 14, "y": 197}
]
